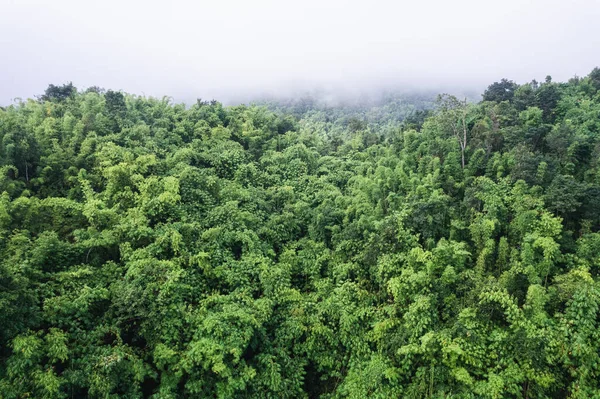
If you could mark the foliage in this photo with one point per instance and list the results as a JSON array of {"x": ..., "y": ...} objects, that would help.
[{"x": 149, "y": 249}]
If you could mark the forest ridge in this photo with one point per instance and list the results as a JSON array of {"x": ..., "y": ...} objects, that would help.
[{"x": 419, "y": 248}]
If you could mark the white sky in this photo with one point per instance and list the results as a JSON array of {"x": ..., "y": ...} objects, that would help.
[{"x": 230, "y": 49}]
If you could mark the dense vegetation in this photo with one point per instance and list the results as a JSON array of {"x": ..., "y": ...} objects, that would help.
[{"x": 156, "y": 250}]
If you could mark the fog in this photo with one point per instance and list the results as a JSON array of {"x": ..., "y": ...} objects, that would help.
[{"x": 241, "y": 50}]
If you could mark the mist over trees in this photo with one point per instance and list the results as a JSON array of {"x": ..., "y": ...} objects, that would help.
[{"x": 412, "y": 248}]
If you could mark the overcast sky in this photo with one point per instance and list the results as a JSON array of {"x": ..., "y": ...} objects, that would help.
[{"x": 234, "y": 49}]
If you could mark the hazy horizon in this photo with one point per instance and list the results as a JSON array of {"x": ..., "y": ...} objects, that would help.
[{"x": 238, "y": 51}]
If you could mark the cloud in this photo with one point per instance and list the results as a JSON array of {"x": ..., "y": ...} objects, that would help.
[{"x": 237, "y": 49}]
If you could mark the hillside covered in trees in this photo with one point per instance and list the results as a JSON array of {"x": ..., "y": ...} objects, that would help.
[{"x": 149, "y": 249}]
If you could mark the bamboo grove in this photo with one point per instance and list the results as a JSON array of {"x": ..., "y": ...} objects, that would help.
[{"x": 157, "y": 250}]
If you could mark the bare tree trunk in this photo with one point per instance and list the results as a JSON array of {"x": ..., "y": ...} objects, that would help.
[{"x": 464, "y": 142}]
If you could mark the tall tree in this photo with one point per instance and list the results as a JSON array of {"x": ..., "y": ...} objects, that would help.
[
  {"x": 454, "y": 115},
  {"x": 500, "y": 91}
]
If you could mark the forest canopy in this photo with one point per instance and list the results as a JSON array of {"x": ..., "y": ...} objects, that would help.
[{"x": 442, "y": 249}]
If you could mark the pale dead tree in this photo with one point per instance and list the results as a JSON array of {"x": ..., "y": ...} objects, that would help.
[{"x": 454, "y": 115}]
